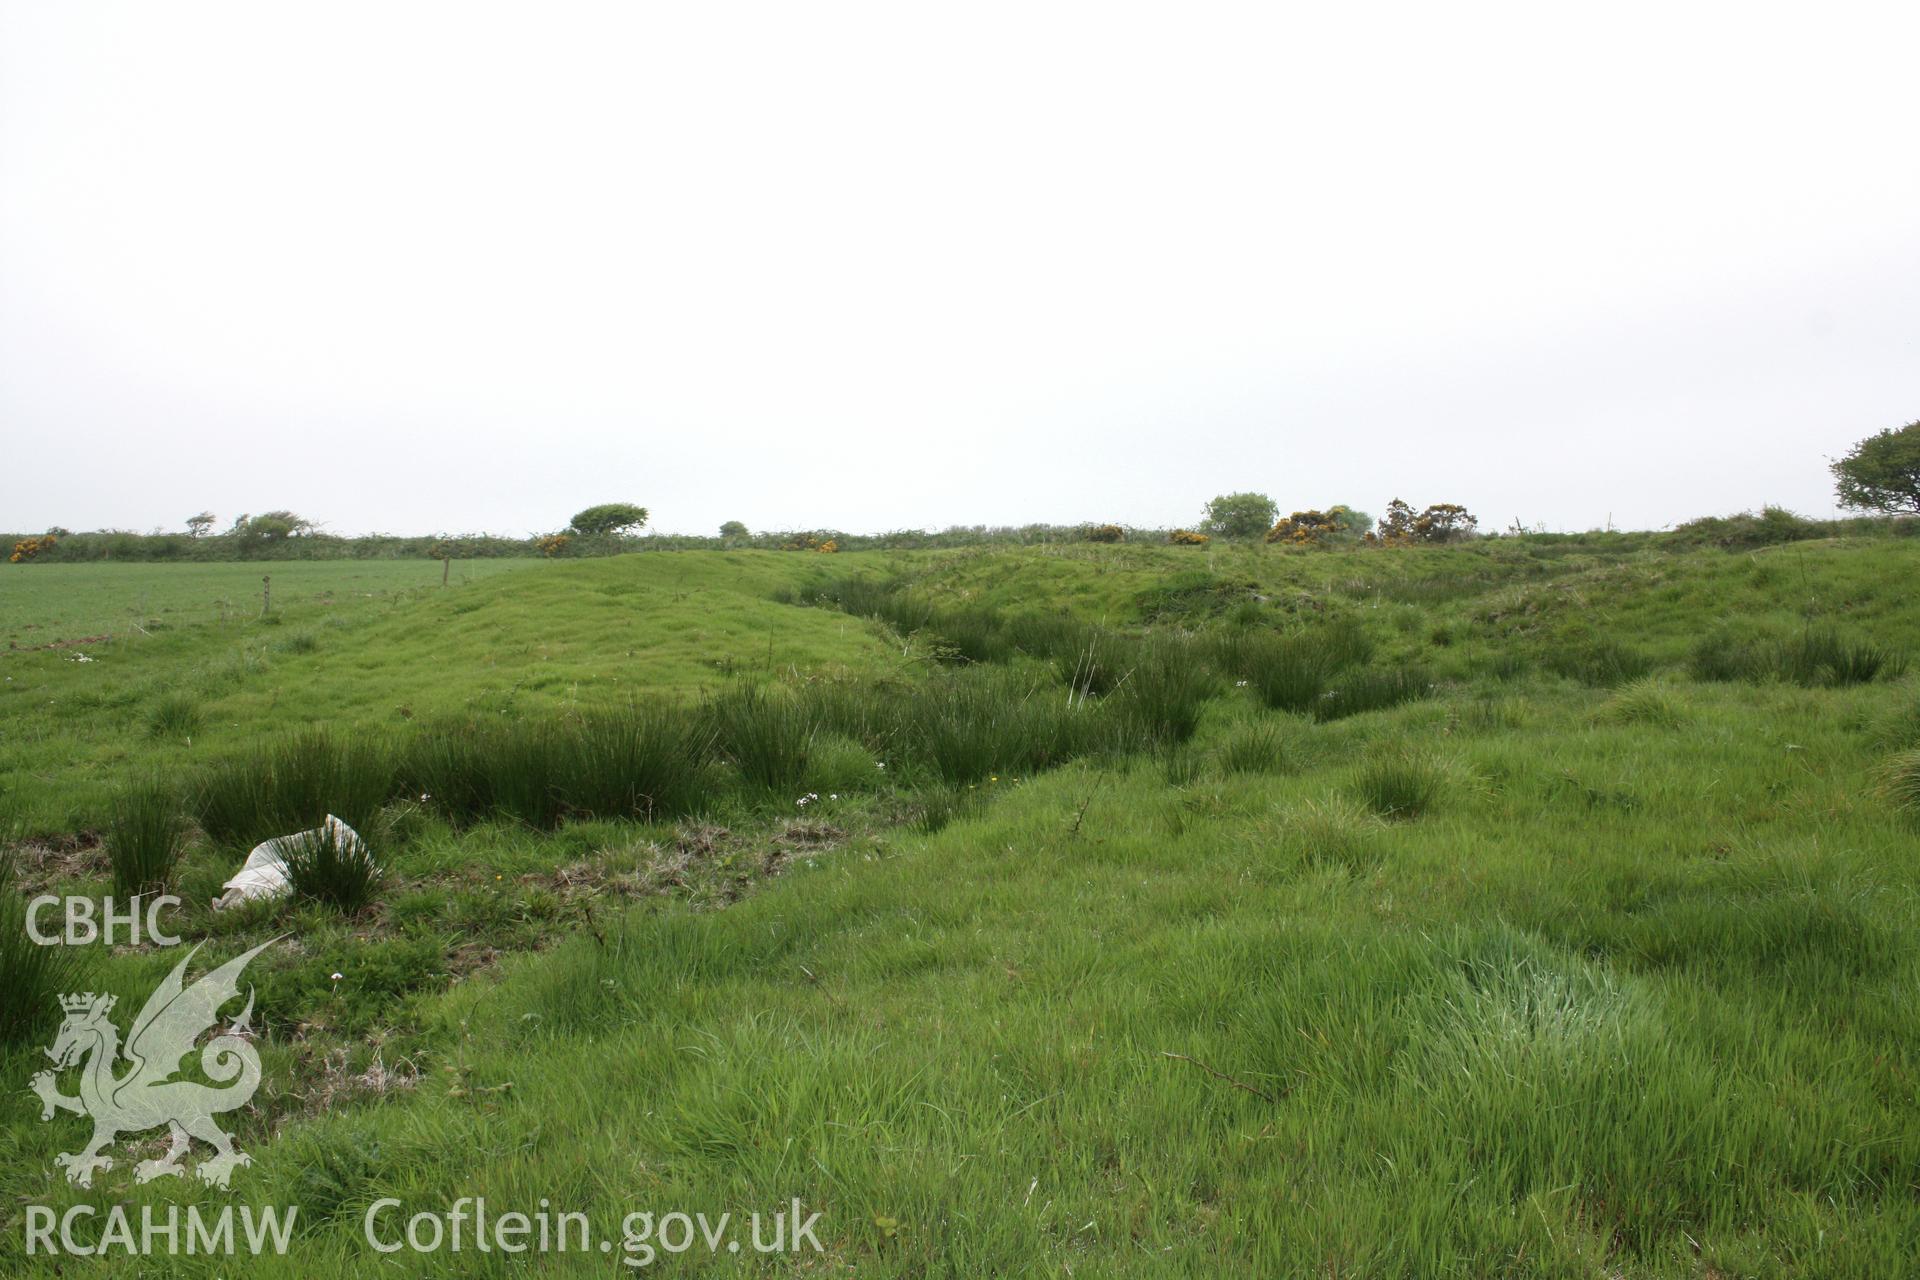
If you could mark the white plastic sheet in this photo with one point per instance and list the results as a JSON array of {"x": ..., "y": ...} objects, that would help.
[{"x": 264, "y": 873}]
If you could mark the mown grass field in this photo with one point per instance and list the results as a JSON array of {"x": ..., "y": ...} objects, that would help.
[{"x": 1506, "y": 910}]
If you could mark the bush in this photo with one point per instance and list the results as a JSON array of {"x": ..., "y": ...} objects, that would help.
[
  {"x": 34, "y": 977},
  {"x": 1106, "y": 533},
  {"x": 144, "y": 837},
  {"x": 1441, "y": 522},
  {"x": 331, "y": 865},
  {"x": 1188, "y": 538},
  {"x": 1240, "y": 516},
  {"x": 1770, "y": 527},
  {"x": 1305, "y": 529}
]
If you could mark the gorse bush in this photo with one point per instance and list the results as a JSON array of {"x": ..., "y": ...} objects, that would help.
[
  {"x": 144, "y": 838},
  {"x": 32, "y": 976},
  {"x": 332, "y": 865}
]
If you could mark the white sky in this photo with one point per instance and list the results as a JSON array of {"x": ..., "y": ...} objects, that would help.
[{"x": 424, "y": 267}]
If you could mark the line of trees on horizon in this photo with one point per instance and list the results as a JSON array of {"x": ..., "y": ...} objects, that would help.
[{"x": 1881, "y": 475}]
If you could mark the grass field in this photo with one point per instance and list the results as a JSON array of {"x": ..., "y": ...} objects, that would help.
[
  {"x": 65, "y": 603},
  {"x": 1504, "y": 910}
]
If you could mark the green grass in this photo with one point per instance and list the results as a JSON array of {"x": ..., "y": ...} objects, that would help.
[
  {"x": 1552, "y": 955},
  {"x": 144, "y": 838}
]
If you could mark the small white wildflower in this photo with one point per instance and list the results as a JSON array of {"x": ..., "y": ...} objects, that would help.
[
  {"x": 338, "y": 976},
  {"x": 835, "y": 795},
  {"x": 1239, "y": 684}
]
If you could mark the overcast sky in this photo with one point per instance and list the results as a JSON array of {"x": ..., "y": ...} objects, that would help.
[{"x": 424, "y": 267}]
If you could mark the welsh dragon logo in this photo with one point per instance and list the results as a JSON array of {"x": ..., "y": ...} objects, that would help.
[{"x": 148, "y": 1095}]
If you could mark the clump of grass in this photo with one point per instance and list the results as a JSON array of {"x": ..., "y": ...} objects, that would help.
[
  {"x": 1900, "y": 782},
  {"x": 177, "y": 715},
  {"x": 1370, "y": 689},
  {"x": 1399, "y": 784},
  {"x": 841, "y": 764},
  {"x": 939, "y": 806},
  {"x": 1725, "y": 658},
  {"x": 644, "y": 763},
  {"x": 1642, "y": 702},
  {"x": 144, "y": 838},
  {"x": 1097, "y": 659},
  {"x": 1898, "y": 726},
  {"x": 1285, "y": 672},
  {"x": 33, "y": 976},
  {"x": 293, "y": 784},
  {"x": 331, "y": 865},
  {"x": 1603, "y": 662},
  {"x": 1160, "y": 698},
  {"x": 1825, "y": 659},
  {"x": 1330, "y": 832},
  {"x": 766, "y": 734},
  {"x": 970, "y": 725},
  {"x": 1258, "y": 748}
]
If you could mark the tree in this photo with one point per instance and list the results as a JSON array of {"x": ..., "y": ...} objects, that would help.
[
  {"x": 1244, "y": 516},
  {"x": 1882, "y": 473},
  {"x": 269, "y": 527},
  {"x": 733, "y": 529},
  {"x": 608, "y": 517},
  {"x": 197, "y": 526}
]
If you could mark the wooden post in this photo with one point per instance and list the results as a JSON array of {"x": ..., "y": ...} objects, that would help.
[
  {"x": 266, "y": 594},
  {"x": 446, "y": 567}
]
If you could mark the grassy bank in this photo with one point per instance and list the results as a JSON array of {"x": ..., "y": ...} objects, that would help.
[{"x": 1135, "y": 911}]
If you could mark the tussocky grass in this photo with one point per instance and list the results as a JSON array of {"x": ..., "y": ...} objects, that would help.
[{"x": 1633, "y": 994}]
